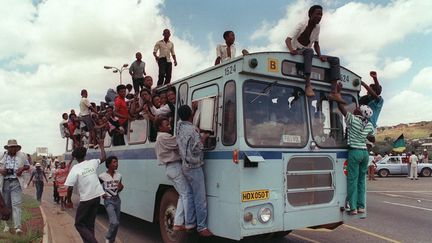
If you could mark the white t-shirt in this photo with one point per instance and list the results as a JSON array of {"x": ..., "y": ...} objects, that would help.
[
  {"x": 84, "y": 107},
  {"x": 222, "y": 52},
  {"x": 413, "y": 159},
  {"x": 110, "y": 183},
  {"x": 314, "y": 36},
  {"x": 84, "y": 173}
]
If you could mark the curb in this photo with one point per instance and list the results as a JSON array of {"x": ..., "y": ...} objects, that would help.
[{"x": 46, "y": 231}]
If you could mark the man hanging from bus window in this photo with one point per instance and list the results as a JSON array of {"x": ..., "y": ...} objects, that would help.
[
  {"x": 359, "y": 130},
  {"x": 166, "y": 50},
  {"x": 121, "y": 111},
  {"x": 373, "y": 98},
  {"x": 137, "y": 72},
  {"x": 89, "y": 190},
  {"x": 85, "y": 114},
  {"x": 148, "y": 82},
  {"x": 191, "y": 147},
  {"x": 167, "y": 152},
  {"x": 300, "y": 42}
]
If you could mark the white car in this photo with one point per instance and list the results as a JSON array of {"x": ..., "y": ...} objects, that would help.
[{"x": 393, "y": 165}]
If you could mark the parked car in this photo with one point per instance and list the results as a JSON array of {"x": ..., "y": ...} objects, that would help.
[{"x": 393, "y": 165}]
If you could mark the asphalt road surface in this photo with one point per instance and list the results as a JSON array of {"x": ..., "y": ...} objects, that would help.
[{"x": 399, "y": 210}]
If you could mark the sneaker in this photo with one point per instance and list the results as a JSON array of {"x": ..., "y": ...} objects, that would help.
[
  {"x": 107, "y": 241},
  {"x": 205, "y": 233},
  {"x": 336, "y": 97},
  {"x": 353, "y": 212},
  {"x": 309, "y": 91},
  {"x": 361, "y": 210},
  {"x": 18, "y": 231},
  {"x": 6, "y": 229}
]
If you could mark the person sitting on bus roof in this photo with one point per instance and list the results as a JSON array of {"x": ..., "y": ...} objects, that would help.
[
  {"x": 226, "y": 50},
  {"x": 167, "y": 153},
  {"x": 85, "y": 114},
  {"x": 190, "y": 144},
  {"x": 300, "y": 42},
  {"x": 359, "y": 130},
  {"x": 373, "y": 98}
]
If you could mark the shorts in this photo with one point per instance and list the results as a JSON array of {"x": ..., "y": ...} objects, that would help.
[{"x": 88, "y": 121}]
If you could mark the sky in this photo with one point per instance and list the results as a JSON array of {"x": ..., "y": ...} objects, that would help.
[{"x": 51, "y": 49}]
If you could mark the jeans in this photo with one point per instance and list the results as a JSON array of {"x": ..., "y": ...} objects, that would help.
[
  {"x": 137, "y": 83},
  {"x": 183, "y": 216},
  {"x": 85, "y": 219},
  {"x": 165, "y": 70},
  {"x": 356, "y": 180},
  {"x": 112, "y": 206},
  {"x": 333, "y": 61},
  {"x": 12, "y": 195},
  {"x": 39, "y": 189},
  {"x": 195, "y": 178}
]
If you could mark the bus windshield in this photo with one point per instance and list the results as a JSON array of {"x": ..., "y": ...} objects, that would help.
[
  {"x": 328, "y": 124},
  {"x": 275, "y": 115}
]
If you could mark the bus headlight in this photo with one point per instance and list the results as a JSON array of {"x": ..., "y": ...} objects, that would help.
[{"x": 264, "y": 215}]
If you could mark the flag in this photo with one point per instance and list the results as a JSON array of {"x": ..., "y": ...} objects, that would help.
[{"x": 399, "y": 144}]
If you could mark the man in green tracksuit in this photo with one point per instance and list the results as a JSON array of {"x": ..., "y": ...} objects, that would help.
[{"x": 359, "y": 128}]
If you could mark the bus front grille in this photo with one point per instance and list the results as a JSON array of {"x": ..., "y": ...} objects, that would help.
[{"x": 309, "y": 181}]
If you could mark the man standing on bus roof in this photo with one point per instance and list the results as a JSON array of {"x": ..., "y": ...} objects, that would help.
[
  {"x": 191, "y": 151},
  {"x": 300, "y": 42},
  {"x": 85, "y": 114},
  {"x": 359, "y": 130},
  {"x": 137, "y": 71},
  {"x": 166, "y": 50}
]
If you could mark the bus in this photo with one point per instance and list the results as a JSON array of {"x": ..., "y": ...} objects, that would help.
[{"x": 275, "y": 160}]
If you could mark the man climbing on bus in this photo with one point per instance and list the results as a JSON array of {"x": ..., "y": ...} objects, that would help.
[
  {"x": 300, "y": 42},
  {"x": 359, "y": 130},
  {"x": 373, "y": 98},
  {"x": 190, "y": 144}
]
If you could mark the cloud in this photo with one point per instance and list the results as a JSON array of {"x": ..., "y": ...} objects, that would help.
[
  {"x": 406, "y": 106},
  {"x": 422, "y": 82},
  {"x": 55, "y": 49}
]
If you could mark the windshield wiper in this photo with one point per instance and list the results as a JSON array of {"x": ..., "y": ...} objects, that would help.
[{"x": 266, "y": 91}]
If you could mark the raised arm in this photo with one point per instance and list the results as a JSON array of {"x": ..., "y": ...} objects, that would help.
[
  {"x": 102, "y": 151},
  {"x": 369, "y": 90},
  {"x": 342, "y": 109}
]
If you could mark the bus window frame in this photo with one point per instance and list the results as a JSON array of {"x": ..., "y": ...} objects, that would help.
[
  {"x": 178, "y": 104},
  {"x": 224, "y": 113},
  {"x": 303, "y": 145},
  {"x": 216, "y": 111},
  {"x": 332, "y": 105},
  {"x": 129, "y": 133},
  {"x": 297, "y": 75}
]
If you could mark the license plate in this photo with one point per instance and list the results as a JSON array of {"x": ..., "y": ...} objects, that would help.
[{"x": 255, "y": 195}]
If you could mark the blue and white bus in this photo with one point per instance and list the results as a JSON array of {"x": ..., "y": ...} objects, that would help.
[{"x": 275, "y": 161}]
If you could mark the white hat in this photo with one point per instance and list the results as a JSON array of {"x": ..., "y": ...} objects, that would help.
[
  {"x": 425, "y": 150},
  {"x": 366, "y": 111},
  {"x": 38, "y": 165}
]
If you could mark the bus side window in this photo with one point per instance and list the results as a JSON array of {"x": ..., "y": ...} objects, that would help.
[
  {"x": 138, "y": 131},
  {"x": 204, "y": 117},
  {"x": 229, "y": 125}
]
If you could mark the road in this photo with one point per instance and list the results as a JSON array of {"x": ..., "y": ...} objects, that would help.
[{"x": 399, "y": 210}]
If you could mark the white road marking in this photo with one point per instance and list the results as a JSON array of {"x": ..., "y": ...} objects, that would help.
[
  {"x": 408, "y": 206},
  {"x": 402, "y": 196},
  {"x": 371, "y": 233}
]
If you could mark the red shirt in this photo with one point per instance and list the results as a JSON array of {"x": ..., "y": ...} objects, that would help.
[{"x": 121, "y": 108}]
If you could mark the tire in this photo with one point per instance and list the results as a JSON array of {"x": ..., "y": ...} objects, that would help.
[
  {"x": 426, "y": 172},
  {"x": 167, "y": 209},
  {"x": 383, "y": 173}
]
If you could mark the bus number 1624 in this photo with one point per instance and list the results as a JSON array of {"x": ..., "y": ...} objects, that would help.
[{"x": 230, "y": 69}]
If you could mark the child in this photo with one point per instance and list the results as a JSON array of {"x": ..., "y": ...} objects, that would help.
[
  {"x": 60, "y": 178},
  {"x": 359, "y": 129},
  {"x": 112, "y": 185}
]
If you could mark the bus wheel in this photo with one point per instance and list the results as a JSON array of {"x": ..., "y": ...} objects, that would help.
[{"x": 167, "y": 211}]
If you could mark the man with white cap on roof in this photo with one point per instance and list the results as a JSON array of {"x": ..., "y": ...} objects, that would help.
[{"x": 12, "y": 165}]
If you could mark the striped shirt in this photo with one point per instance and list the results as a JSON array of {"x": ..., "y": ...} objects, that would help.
[{"x": 358, "y": 131}]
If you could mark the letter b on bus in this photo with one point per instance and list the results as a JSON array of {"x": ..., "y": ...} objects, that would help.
[{"x": 273, "y": 65}]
